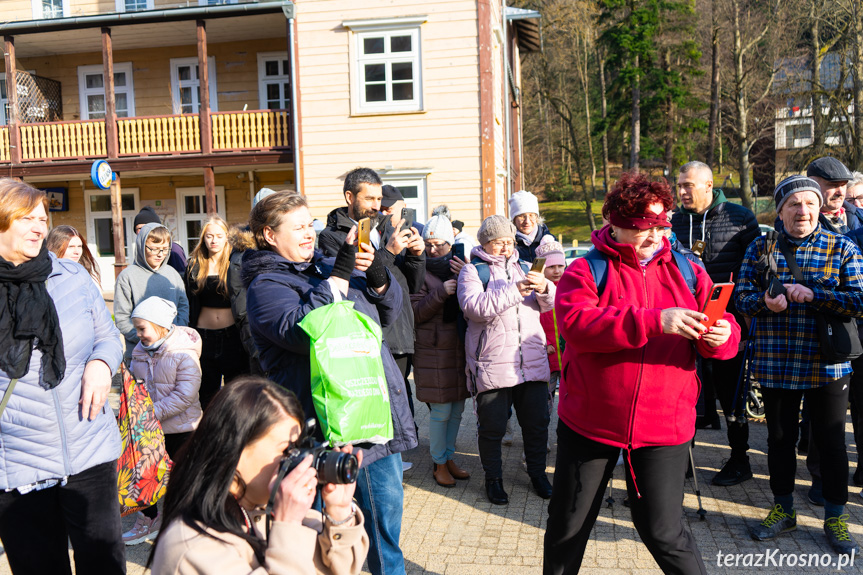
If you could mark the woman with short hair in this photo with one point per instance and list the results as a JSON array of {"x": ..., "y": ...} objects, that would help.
[
  {"x": 58, "y": 350},
  {"x": 629, "y": 380}
]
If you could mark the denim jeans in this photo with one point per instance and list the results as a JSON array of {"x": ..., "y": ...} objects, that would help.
[
  {"x": 444, "y": 422},
  {"x": 380, "y": 496},
  {"x": 35, "y": 528}
]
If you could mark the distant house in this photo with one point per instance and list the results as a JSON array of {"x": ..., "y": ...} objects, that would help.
[
  {"x": 794, "y": 126},
  {"x": 212, "y": 100}
]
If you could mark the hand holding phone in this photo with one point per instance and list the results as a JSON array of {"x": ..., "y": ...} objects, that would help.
[
  {"x": 363, "y": 233},
  {"x": 715, "y": 305},
  {"x": 458, "y": 251},
  {"x": 409, "y": 216},
  {"x": 538, "y": 265}
]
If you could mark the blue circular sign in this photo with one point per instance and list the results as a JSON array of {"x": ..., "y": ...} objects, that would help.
[{"x": 101, "y": 174}]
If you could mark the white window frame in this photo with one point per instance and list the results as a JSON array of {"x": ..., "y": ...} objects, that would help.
[
  {"x": 263, "y": 58},
  {"x": 418, "y": 178},
  {"x": 83, "y": 91},
  {"x": 175, "y": 82},
  {"x": 121, "y": 5},
  {"x": 37, "y": 9},
  {"x": 106, "y": 271},
  {"x": 3, "y": 104},
  {"x": 183, "y": 217},
  {"x": 388, "y": 27}
]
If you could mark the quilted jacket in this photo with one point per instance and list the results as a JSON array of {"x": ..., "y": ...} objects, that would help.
[
  {"x": 42, "y": 435},
  {"x": 173, "y": 377}
]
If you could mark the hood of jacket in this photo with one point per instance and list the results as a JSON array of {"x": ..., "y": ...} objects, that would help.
[
  {"x": 181, "y": 338},
  {"x": 718, "y": 198},
  {"x": 241, "y": 238},
  {"x": 491, "y": 260},
  {"x": 141, "y": 250}
]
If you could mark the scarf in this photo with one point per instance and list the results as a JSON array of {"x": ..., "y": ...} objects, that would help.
[
  {"x": 439, "y": 268},
  {"x": 528, "y": 238},
  {"x": 154, "y": 347},
  {"x": 29, "y": 319}
]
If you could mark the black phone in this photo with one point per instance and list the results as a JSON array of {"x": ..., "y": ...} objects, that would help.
[
  {"x": 775, "y": 287},
  {"x": 409, "y": 216},
  {"x": 458, "y": 251}
]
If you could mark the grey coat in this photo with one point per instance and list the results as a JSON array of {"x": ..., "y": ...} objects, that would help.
[
  {"x": 43, "y": 436},
  {"x": 138, "y": 282}
]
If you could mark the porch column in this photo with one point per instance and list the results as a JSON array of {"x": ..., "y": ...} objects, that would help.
[
  {"x": 12, "y": 96},
  {"x": 204, "y": 116},
  {"x": 110, "y": 101},
  {"x": 117, "y": 220}
]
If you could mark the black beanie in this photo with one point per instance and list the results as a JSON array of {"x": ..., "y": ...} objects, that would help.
[{"x": 147, "y": 215}]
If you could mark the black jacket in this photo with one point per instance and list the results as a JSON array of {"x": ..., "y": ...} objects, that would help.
[
  {"x": 241, "y": 241},
  {"x": 408, "y": 270},
  {"x": 528, "y": 252},
  {"x": 727, "y": 229}
]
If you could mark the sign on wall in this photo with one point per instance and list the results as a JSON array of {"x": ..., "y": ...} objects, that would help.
[{"x": 58, "y": 199}]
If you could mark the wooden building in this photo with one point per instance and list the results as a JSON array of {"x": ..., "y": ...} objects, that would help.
[{"x": 197, "y": 104}]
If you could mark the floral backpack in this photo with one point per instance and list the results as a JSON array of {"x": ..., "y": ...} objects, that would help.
[{"x": 143, "y": 467}]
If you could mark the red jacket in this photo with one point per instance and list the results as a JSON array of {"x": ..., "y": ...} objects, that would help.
[
  {"x": 624, "y": 382},
  {"x": 546, "y": 318}
]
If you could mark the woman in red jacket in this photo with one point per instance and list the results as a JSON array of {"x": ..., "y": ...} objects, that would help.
[{"x": 629, "y": 381}]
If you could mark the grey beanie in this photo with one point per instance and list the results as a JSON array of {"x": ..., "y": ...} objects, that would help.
[
  {"x": 792, "y": 185},
  {"x": 494, "y": 227},
  {"x": 263, "y": 193},
  {"x": 439, "y": 228},
  {"x": 156, "y": 310}
]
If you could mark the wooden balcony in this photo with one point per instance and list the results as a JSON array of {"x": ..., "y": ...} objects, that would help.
[{"x": 232, "y": 132}]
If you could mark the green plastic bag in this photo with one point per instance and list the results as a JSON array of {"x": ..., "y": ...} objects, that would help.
[{"x": 349, "y": 386}]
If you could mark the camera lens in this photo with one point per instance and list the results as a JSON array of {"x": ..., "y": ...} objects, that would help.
[{"x": 336, "y": 467}]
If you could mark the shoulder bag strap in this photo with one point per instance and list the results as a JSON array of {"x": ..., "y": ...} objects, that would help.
[
  {"x": 7, "y": 395},
  {"x": 789, "y": 259}
]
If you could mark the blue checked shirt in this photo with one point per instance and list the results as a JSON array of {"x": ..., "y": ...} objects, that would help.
[{"x": 787, "y": 352}]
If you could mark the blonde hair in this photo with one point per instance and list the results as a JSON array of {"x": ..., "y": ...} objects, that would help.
[
  {"x": 17, "y": 199},
  {"x": 199, "y": 259}
]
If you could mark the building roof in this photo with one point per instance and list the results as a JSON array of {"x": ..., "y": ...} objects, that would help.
[{"x": 528, "y": 26}]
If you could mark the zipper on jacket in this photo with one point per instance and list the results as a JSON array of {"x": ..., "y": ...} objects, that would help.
[
  {"x": 637, "y": 391},
  {"x": 67, "y": 458}
]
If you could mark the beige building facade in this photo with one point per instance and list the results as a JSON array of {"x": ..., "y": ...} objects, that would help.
[{"x": 212, "y": 100}]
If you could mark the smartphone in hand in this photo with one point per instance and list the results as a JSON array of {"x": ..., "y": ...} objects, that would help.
[
  {"x": 538, "y": 265},
  {"x": 364, "y": 229},
  {"x": 458, "y": 251},
  {"x": 775, "y": 288},
  {"x": 715, "y": 305},
  {"x": 409, "y": 216}
]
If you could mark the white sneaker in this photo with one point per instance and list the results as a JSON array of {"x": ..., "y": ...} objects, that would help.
[
  {"x": 406, "y": 465},
  {"x": 143, "y": 530},
  {"x": 507, "y": 436}
]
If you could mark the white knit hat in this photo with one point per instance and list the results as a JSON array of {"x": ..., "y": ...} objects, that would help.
[
  {"x": 156, "y": 310},
  {"x": 523, "y": 202},
  {"x": 439, "y": 228}
]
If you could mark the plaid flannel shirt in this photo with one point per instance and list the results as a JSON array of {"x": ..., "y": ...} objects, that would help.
[{"x": 787, "y": 352}]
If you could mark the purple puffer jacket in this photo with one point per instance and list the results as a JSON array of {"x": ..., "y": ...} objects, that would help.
[{"x": 505, "y": 342}]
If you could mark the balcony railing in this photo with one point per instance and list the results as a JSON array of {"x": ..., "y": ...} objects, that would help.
[{"x": 257, "y": 130}]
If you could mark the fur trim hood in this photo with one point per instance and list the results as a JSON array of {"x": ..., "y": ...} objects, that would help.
[{"x": 241, "y": 238}]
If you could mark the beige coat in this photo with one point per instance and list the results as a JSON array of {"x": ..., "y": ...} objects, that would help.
[
  {"x": 172, "y": 376},
  {"x": 311, "y": 548}
]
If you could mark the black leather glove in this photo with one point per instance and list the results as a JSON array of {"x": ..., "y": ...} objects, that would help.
[
  {"x": 376, "y": 275},
  {"x": 346, "y": 259}
]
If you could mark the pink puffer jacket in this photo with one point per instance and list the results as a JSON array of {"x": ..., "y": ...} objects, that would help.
[
  {"x": 173, "y": 377},
  {"x": 505, "y": 342}
]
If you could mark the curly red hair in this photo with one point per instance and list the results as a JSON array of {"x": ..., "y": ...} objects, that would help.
[{"x": 633, "y": 193}]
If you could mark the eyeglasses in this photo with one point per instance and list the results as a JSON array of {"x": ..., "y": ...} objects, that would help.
[
  {"x": 158, "y": 251},
  {"x": 503, "y": 243},
  {"x": 440, "y": 246}
]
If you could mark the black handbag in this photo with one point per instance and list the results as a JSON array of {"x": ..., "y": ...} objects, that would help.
[{"x": 838, "y": 335}]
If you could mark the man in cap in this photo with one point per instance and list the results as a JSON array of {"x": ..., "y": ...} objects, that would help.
[
  {"x": 718, "y": 231},
  {"x": 788, "y": 359},
  {"x": 832, "y": 175}
]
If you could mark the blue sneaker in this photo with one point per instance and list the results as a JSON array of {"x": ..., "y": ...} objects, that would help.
[{"x": 776, "y": 523}]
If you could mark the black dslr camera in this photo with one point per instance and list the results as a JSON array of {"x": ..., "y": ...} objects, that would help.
[{"x": 332, "y": 466}]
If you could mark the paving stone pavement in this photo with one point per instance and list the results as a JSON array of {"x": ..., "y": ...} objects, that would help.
[{"x": 457, "y": 531}]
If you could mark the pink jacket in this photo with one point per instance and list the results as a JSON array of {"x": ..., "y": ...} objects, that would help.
[
  {"x": 625, "y": 382},
  {"x": 505, "y": 343},
  {"x": 173, "y": 377}
]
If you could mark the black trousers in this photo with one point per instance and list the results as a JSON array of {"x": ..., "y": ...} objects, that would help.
[
  {"x": 721, "y": 377},
  {"x": 35, "y": 528},
  {"x": 827, "y": 406},
  {"x": 581, "y": 474},
  {"x": 222, "y": 356},
  {"x": 856, "y": 397},
  {"x": 531, "y": 407}
]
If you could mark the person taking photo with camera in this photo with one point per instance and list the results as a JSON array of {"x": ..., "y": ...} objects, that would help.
[{"x": 222, "y": 480}]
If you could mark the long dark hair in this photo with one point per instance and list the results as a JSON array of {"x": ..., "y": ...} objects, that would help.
[{"x": 199, "y": 488}]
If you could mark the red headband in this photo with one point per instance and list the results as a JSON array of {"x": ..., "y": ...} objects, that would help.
[{"x": 643, "y": 221}]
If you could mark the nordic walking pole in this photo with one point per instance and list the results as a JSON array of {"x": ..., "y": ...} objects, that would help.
[{"x": 701, "y": 512}]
